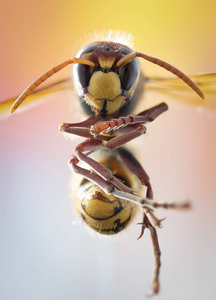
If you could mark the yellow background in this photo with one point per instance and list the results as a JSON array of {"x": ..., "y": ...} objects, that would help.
[
  {"x": 43, "y": 256},
  {"x": 35, "y": 36}
]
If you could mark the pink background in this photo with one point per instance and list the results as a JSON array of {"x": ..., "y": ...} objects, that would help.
[{"x": 42, "y": 256}]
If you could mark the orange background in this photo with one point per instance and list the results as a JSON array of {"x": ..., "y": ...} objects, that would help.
[{"x": 42, "y": 255}]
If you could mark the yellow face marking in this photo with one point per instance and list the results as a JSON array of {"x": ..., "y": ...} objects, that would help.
[
  {"x": 104, "y": 85},
  {"x": 106, "y": 62},
  {"x": 113, "y": 106},
  {"x": 89, "y": 99}
]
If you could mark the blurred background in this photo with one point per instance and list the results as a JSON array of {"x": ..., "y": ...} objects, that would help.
[{"x": 45, "y": 252}]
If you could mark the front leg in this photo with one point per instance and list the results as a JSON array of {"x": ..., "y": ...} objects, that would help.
[
  {"x": 81, "y": 128},
  {"x": 116, "y": 142},
  {"x": 148, "y": 115}
]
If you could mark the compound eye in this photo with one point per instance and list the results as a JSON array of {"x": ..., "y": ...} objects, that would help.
[
  {"x": 84, "y": 74},
  {"x": 129, "y": 74}
]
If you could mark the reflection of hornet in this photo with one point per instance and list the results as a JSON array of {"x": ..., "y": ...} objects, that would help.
[
  {"x": 104, "y": 212},
  {"x": 109, "y": 190}
]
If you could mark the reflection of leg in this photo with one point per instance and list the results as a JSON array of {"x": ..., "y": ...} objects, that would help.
[
  {"x": 150, "y": 222},
  {"x": 157, "y": 254},
  {"x": 136, "y": 168},
  {"x": 104, "y": 177},
  {"x": 106, "y": 186},
  {"x": 155, "y": 204}
]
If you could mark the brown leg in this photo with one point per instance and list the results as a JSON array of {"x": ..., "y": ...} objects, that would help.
[
  {"x": 110, "y": 184},
  {"x": 81, "y": 154},
  {"x": 104, "y": 177},
  {"x": 152, "y": 113},
  {"x": 115, "y": 124},
  {"x": 107, "y": 183},
  {"x": 82, "y": 150},
  {"x": 106, "y": 186},
  {"x": 121, "y": 140},
  {"x": 137, "y": 169},
  {"x": 155, "y": 204},
  {"x": 157, "y": 254},
  {"x": 80, "y": 129}
]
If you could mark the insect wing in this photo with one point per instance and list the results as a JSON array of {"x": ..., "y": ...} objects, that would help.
[
  {"x": 36, "y": 97},
  {"x": 176, "y": 89}
]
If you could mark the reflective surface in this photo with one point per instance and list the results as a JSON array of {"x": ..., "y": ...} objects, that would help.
[{"x": 43, "y": 254}]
